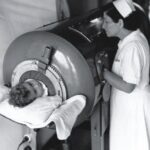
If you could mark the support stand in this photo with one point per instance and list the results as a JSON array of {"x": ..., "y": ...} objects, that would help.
[
  {"x": 99, "y": 124},
  {"x": 65, "y": 145}
]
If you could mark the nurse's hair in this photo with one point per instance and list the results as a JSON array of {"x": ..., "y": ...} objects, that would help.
[
  {"x": 131, "y": 22},
  {"x": 145, "y": 22}
]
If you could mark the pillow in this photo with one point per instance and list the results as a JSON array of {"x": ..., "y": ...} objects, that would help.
[{"x": 35, "y": 113}]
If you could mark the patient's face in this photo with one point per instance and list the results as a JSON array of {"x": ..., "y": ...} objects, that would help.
[{"x": 32, "y": 92}]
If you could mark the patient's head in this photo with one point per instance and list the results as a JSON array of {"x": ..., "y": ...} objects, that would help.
[{"x": 25, "y": 93}]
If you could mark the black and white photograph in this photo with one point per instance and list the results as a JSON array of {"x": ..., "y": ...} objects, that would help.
[{"x": 75, "y": 75}]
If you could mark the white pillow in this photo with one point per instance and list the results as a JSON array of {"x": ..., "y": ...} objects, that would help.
[{"x": 33, "y": 114}]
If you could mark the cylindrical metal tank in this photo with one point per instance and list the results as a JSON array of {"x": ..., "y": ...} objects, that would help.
[
  {"x": 66, "y": 61},
  {"x": 56, "y": 55}
]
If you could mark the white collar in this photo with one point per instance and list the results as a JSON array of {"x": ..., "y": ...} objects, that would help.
[{"x": 128, "y": 38}]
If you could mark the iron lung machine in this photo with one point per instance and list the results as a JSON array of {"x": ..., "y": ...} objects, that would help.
[
  {"x": 66, "y": 74},
  {"x": 57, "y": 56}
]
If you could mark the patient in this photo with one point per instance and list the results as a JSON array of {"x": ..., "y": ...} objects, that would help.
[
  {"x": 25, "y": 93},
  {"x": 28, "y": 103}
]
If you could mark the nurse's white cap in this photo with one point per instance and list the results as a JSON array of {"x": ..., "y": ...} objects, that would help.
[{"x": 124, "y": 7}]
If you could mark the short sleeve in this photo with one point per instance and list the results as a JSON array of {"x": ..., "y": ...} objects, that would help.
[{"x": 131, "y": 65}]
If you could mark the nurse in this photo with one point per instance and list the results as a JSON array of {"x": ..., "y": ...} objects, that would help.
[{"x": 129, "y": 78}]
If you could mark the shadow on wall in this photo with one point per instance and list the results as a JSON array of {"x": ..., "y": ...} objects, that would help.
[{"x": 78, "y": 7}]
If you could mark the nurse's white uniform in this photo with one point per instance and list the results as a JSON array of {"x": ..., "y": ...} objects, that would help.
[{"x": 130, "y": 112}]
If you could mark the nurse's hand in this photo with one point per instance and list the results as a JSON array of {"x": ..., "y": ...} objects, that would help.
[{"x": 105, "y": 72}]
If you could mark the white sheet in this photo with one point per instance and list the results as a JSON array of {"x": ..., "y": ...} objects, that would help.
[
  {"x": 34, "y": 114},
  {"x": 43, "y": 111}
]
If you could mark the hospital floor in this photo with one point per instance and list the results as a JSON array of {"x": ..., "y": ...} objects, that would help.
[{"x": 79, "y": 140}]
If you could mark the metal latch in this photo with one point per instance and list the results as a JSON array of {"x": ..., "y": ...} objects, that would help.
[{"x": 46, "y": 58}]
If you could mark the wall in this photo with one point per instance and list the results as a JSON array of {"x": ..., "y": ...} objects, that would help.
[{"x": 78, "y": 7}]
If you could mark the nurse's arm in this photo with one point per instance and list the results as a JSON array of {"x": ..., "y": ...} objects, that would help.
[{"x": 116, "y": 81}]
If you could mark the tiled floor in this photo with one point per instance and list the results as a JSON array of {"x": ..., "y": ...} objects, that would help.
[{"x": 79, "y": 140}]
